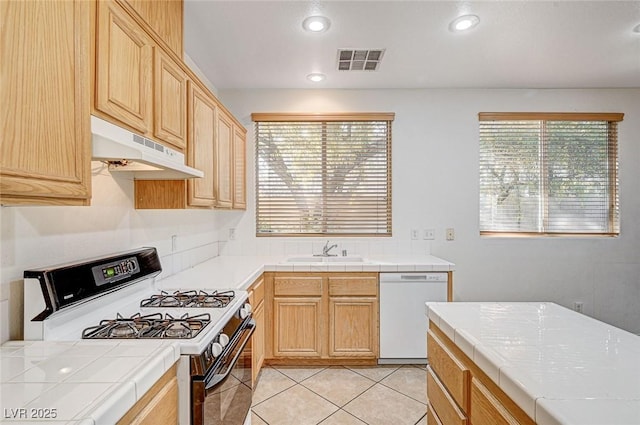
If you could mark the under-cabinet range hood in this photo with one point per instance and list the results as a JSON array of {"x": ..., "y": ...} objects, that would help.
[{"x": 145, "y": 158}]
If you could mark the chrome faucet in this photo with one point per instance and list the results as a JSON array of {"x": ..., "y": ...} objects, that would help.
[{"x": 327, "y": 248}]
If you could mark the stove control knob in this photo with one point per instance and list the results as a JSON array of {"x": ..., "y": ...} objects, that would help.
[
  {"x": 245, "y": 310},
  {"x": 216, "y": 349},
  {"x": 248, "y": 307},
  {"x": 223, "y": 340}
]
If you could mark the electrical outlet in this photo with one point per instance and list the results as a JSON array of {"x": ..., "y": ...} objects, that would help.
[
  {"x": 174, "y": 243},
  {"x": 415, "y": 234},
  {"x": 429, "y": 234},
  {"x": 578, "y": 306},
  {"x": 451, "y": 234},
  {"x": 232, "y": 234}
]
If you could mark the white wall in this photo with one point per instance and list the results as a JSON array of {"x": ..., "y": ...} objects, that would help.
[
  {"x": 34, "y": 237},
  {"x": 435, "y": 185}
]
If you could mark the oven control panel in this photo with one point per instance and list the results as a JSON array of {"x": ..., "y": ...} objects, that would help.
[{"x": 115, "y": 271}]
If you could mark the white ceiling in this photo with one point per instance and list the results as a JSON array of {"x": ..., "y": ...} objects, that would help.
[{"x": 518, "y": 44}]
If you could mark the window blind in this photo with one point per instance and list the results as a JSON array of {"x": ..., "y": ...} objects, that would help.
[
  {"x": 323, "y": 174},
  {"x": 550, "y": 174}
]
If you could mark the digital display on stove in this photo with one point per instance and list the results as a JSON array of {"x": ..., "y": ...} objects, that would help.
[{"x": 115, "y": 271}]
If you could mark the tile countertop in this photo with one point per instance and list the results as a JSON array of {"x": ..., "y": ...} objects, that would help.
[
  {"x": 239, "y": 272},
  {"x": 559, "y": 366},
  {"x": 79, "y": 383}
]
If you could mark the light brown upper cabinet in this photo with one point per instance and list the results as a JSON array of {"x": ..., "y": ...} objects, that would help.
[
  {"x": 224, "y": 158},
  {"x": 200, "y": 155},
  {"x": 45, "y": 145},
  {"x": 239, "y": 168},
  {"x": 124, "y": 68},
  {"x": 170, "y": 101},
  {"x": 137, "y": 83},
  {"x": 165, "y": 17}
]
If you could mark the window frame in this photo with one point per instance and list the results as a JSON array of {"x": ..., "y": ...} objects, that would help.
[
  {"x": 613, "y": 174},
  {"x": 354, "y": 117}
]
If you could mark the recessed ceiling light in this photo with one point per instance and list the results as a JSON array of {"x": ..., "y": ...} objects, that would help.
[
  {"x": 637, "y": 29},
  {"x": 316, "y": 23},
  {"x": 464, "y": 23},
  {"x": 316, "y": 77}
]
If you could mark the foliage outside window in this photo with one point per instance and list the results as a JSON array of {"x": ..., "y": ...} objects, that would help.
[
  {"x": 549, "y": 173},
  {"x": 323, "y": 174}
]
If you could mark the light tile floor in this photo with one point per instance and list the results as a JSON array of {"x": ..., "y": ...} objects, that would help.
[{"x": 358, "y": 395}]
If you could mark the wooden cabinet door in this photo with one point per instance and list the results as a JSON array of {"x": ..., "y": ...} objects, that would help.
[
  {"x": 124, "y": 60},
  {"x": 170, "y": 101},
  {"x": 297, "y": 328},
  {"x": 165, "y": 17},
  {"x": 158, "y": 406},
  {"x": 239, "y": 169},
  {"x": 45, "y": 147},
  {"x": 200, "y": 147},
  {"x": 258, "y": 342},
  {"x": 353, "y": 327},
  {"x": 223, "y": 158},
  {"x": 485, "y": 407}
]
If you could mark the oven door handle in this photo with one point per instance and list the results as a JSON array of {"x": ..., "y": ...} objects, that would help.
[{"x": 216, "y": 378}]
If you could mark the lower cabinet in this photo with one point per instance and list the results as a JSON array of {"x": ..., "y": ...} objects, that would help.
[
  {"x": 159, "y": 406},
  {"x": 323, "y": 316},
  {"x": 459, "y": 392},
  {"x": 256, "y": 299}
]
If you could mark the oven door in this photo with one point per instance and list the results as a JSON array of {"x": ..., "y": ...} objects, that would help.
[{"x": 223, "y": 395}]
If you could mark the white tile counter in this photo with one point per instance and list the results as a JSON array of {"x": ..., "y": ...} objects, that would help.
[
  {"x": 238, "y": 272},
  {"x": 559, "y": 366},
  {"x": 80, "y": 383}
]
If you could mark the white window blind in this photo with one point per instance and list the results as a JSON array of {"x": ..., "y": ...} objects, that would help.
[
  {"x": 550, "y": 174},
  {"x": 324, "y": 174}
]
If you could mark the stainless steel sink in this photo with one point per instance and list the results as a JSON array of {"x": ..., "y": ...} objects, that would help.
[{"x": 322, "y": 259}]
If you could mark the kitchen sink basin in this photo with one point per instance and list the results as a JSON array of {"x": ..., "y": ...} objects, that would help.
[{"x": 321, "y": 259}]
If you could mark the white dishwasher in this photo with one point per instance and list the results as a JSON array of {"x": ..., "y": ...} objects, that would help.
[{"x": 403, "y": 323}]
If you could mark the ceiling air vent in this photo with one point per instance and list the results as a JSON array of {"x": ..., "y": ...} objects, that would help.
[{"x": 359, "y": 59}]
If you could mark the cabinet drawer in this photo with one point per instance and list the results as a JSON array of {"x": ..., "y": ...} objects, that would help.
[
  {"x": 451, "y": 371},
  {"x": 355, "y": 286},
  {"x": 297, "y": 286},
  {"x": 432, "y": 418},
  {"x": 486, "y": 409},
  {"x": 443, "y": 405}
]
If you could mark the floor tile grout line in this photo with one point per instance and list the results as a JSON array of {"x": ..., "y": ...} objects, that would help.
[
  {"x": 420, "y": 421},
  {"x": 406, "y": 395},
  {"x": 361, "y": 374},
  {"x": 273, "y": 395},
  {"x": 346, "y": 412},
  {"x": 299, "y": 382},
  {"x": 340, "y": 407},
  {"x": 261, "y": 418}
]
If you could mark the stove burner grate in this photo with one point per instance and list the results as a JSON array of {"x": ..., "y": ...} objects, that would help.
[
  {"x": 148, "y": 326},
  {"x": 189, "y": 299}
]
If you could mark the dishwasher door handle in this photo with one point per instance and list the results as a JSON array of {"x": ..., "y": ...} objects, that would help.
[{"x": 413, "y": 277}]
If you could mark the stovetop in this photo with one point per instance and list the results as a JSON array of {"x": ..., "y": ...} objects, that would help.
[
  {"x": 101, "y": 298},
  {"x": 154, "y": 325},
  {"x": 164, "y": 315}
]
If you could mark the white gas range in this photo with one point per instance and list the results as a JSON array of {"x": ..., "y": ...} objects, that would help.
[{"x": 115, "y": 298}]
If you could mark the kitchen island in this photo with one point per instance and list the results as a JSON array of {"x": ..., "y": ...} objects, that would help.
[{"x": 546, "y": 363}]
